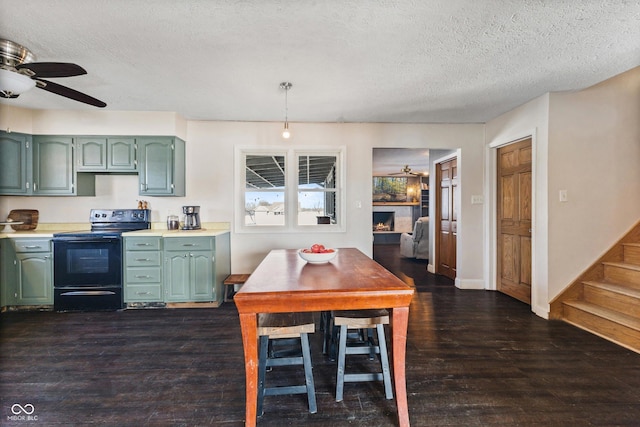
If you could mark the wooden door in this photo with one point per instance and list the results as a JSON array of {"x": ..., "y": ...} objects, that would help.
[
  {"x": 446, "y": 217},
  {"x": 514, "y": 220}
]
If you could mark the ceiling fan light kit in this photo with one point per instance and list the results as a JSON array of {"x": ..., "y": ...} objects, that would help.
[
  {"x": 13, "y": 84},
  {"x": 20, "y": 73},
  {"x": 286, "y": 134}
]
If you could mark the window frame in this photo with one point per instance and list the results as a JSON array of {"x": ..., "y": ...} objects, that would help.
[{"x": 291, "y": 155}]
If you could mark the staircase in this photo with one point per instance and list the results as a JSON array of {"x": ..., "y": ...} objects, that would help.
[{"x": 606, "y": 299}]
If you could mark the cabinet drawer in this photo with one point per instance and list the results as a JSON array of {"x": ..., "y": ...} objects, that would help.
[
  {"x": 143, "y": 258},
  {"x": 142, "y": 243},
  {"x": 188, "y": 244},
  {"x": 143, "y": 275},
  {"x": 34, "y": 245},
  {"x": 143, "y": 293}
]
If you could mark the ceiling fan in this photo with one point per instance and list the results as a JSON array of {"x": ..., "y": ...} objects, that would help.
[
  {"x": 19, "y": 73},
  {"x": 406, "y": 170}
]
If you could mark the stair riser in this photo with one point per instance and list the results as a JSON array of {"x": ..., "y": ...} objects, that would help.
[
  {"x": 632, "y": 254},
  {"x": 622, "y": 303},
  {"x": 622, "y": 275},
  {"x": 612, "y": 331}
]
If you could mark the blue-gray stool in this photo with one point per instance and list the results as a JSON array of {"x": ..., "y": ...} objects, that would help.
[
  {"x": 293, "y": 328},
  {"x": 363, "y": 320}
]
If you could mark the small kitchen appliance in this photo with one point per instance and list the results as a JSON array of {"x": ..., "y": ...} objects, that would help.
[
  {"x": 87, "y": 265},
  {"x": 191, "y": 217}
]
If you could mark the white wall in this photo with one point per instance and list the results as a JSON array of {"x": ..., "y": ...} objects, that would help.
[{"x": 209, "y": 181}]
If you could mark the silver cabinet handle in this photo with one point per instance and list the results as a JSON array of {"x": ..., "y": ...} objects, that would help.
[
  {"x": 143, "y": 259},
  {"x": 143, "y": 244},
  {"x": 33, "y": 247},
  {"x": 143, "y": 293},
  {"x": 143, "y": 277}
]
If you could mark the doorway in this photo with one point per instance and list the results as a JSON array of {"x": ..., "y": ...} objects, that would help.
[{"x": 514, "y": 214}]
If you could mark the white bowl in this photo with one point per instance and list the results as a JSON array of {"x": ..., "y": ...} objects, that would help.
[{"x": 315, "y": 258}]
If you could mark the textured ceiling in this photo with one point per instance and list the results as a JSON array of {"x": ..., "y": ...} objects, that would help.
[{"x": 422, "y": 61}]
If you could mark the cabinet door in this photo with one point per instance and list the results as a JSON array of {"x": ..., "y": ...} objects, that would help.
[
  {"x": 14, "y": 173},
  {"x": 8, "y": 273},
  {"x": 92, "y": 154},
  {"x": 201, "y": 276},
  {"x": 35, "y": 284},
  {"x": 52, "y": 165},
  {"x": 156, "y": 166},
  {"x": 177, "y": 276},
  {"x": 121, "y": 154}
]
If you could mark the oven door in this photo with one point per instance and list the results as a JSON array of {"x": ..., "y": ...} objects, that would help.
[{"x": 87, "y": 273}]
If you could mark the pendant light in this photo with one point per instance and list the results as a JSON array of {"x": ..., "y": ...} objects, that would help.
[{"x": 286, "y": 134}]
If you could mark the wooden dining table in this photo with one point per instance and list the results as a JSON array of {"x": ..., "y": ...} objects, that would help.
[{"x": 283, "y": 282}]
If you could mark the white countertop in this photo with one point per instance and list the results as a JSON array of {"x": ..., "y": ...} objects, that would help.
[
  {"x": 204, "y": 232},
  {"x": 48, "y": 230}
]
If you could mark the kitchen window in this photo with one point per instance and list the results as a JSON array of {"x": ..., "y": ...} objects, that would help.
[{"x": 283, "y": 190}]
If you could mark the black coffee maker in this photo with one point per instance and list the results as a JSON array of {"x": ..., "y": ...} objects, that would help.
[{"x": 191, "y": 217}]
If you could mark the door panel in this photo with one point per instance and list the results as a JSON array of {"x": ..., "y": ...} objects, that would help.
[
  {"x": 446, "y": 225},
  {"x": 514, "y": 220}
]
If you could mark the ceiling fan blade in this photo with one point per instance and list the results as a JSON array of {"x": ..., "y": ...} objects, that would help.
[
  {"x": 70, "y": 93},
  {"x": 53, "y": 69}
]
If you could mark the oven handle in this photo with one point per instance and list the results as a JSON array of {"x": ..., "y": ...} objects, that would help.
[
  {"x": 93, "y": 240},
  {"x": 87, "y": 293}
]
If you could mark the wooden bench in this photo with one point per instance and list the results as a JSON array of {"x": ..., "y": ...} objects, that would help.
[{"x": 230, "y": 283}]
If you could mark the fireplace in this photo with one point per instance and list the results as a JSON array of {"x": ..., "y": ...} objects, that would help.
[{"x": 383, "y": 221}]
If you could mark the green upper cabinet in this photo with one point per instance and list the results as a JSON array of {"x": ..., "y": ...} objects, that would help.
[
  {"x": 92, "y": 154},
  {"x": 121, "y": 154},
  {"x": 53, "y": 165},
  {"x": 14, "y": 163},
  {"x": 100, "y": 154},
  {"x": 161, "y": 166}
]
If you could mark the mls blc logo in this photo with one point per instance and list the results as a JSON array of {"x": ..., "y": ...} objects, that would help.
[{"x": 22, "y": 413}]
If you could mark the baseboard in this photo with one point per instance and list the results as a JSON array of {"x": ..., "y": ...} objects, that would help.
[
  {"x": 431, "y": 268},
  {"x": 469, "y": 284}
]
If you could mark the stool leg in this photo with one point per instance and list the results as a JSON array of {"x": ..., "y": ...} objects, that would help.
[
  {"x": 342, "y": 353},
  {"x": 308, "y": 373},
  {"x": 384, "y": 361},
  {"x": 262, "y": 369}
]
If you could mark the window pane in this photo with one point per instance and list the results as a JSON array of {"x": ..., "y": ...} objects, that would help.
[
  {"x": 316, "y": 207},
  {"x": 264, "y": 172},
  {"x": 264, "y": 208},
  {"x": 316, "y": 172}
]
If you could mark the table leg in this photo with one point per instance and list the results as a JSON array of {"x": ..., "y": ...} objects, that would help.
[
  {"x": 399, "y": 326},
  {"x": 249, "y": 327}
]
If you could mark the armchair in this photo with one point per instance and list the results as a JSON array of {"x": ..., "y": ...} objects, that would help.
[{"x": 416, "y": 244}]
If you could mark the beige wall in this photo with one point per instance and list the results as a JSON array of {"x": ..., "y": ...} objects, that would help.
[
  {"x": 594, "y": 154},
  {"x": 210, "y": 170},
  {"x": 585, "y": 142}
]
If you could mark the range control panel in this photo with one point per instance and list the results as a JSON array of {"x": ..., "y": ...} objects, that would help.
[{"x": 119, "y": 215}]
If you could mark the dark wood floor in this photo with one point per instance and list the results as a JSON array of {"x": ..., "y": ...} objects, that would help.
[{"x": 475, "y": 358}]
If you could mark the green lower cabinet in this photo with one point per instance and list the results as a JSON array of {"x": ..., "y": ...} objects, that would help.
[
  {"x": 189, "y": 276},
  {"x": 143, "y": 270},
  {"x": 195, "y": 267},
  {"x": 175, "y": 269},
  {"x": 27, "y": 272}
]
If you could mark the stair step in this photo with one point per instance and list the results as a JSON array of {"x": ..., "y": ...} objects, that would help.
[
  {"x": 609, "y": 324},
  {"x": 631, "y": 253},
  {"x": 619, "y": 297},
  {"x": 622, "y": 272}
]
